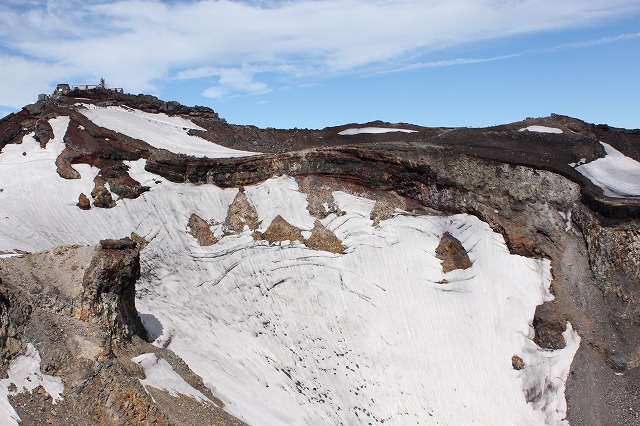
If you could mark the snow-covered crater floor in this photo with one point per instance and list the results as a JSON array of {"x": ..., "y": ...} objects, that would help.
[{"x": 290, "y": 335}]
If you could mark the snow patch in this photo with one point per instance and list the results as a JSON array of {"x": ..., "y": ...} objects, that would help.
[
  {"x": 541, "y": 129},
  {"x": 357, "y": 131},
  {"x": 160, "y": 375},
  {"x": 617, "y": 174},
  {"x": 158, "y": 130},
  {"x": 7, "y": 255},
  {"x": 269, "y": 198},
  {"x": 579, "y": 163},
  {"x": 567, "y": 217},
  {"x": 24, "y": 375}
]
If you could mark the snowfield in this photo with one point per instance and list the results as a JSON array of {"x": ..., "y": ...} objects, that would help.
[
  {"x": 617, "y": 174},
  {"x": 357, "y": 131},
  {"x": 158, "y": 130},
  {"x": 284, "y": 334},
  {"x": 541, "y": 129}
]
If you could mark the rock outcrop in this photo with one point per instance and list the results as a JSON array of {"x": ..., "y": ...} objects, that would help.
[
  {"x": 12, "y": 318},
  {"x": 201, "y": 231},
  {"x": 75, "y": 304},
  {"x": 323, "y": 239},
  {"x": 241, "y": 213},
  {"x": 280, "y": 230},
  {"x": 108, "y": 296}
]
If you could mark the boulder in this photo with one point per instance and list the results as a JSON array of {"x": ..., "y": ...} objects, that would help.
[{"x": 452, "y": 254}]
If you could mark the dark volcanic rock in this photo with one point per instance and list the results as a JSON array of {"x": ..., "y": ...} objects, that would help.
[
  {"x": 11, "y": 128},
  {"x": 11, "y": 320},
  {"x": 108, "y": 296},
  {"x": 43, "y": 133},
  {"x": 102, "y": 197}
]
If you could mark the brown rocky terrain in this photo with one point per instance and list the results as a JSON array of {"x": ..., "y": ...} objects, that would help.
[
  {"x": 520, "y": 183},
  {"x": 77, "y": 303}
]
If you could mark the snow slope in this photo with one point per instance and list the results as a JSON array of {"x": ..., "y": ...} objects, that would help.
[
  {"x": 357, "y": 131},
  {"x": 284, "y": 334},
  {"x": 158, "y": 130},
  {"x": 617, "y": 174}
]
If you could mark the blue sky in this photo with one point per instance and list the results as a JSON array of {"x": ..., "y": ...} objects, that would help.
[{"x": 312, "y": 63}]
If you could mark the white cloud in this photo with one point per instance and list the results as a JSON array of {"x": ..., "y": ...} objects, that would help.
[
  {"x": 142, "y": 44},
  {"x": 230, "y": 81}
]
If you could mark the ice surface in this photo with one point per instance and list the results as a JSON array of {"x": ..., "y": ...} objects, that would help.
[
  {"x": 160, "y": 375},
  {"x": 617, "y": 174},
  {"x": 542, "y": 129},
  {"x": 357, "y": 131},
  {"x": 289, "y": 335},
  {"x": 158, "y": 130},
  {"x": 24, "y": 375}
]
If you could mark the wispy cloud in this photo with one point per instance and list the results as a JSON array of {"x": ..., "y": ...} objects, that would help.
[
  {"x": 465, "y": 61},
  {"x": 588, "y": 43},
  {"x": 143, "y": 44}
]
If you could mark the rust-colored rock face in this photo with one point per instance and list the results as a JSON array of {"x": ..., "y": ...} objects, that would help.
[
  {"x": 201, "y": 231},
  {"x": 83, "y": 202},
  {"x": 281, "y": 230},
  {"x": 452, "y": 254},
  {"x": 241, "y": 213},
  {"x": 323, "y": 239}
]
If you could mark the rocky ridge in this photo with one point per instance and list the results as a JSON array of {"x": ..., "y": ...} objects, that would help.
[{"x": 77, "y": 303}]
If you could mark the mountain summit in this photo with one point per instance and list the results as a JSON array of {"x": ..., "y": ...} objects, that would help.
[{"x": 162, "y": 266}]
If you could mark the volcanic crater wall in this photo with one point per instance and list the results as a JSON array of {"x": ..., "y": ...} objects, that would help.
[{"x": 531, "y": 208}]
